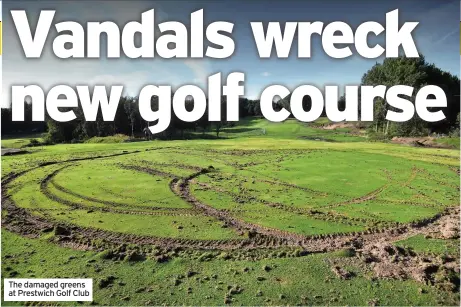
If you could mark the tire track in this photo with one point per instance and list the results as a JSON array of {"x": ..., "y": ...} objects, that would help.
[
  {"x": 309, "y": 212},
  {"x": 75, "y": 205},
  {"x": 23, "y": 222},
  {"x": 20, "y": 221}
]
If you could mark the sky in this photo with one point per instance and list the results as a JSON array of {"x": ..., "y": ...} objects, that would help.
[{"x": 436, "y": 37}]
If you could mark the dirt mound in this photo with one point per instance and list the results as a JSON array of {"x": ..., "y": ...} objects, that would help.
[
  {"x": 340, "y": 125},
  {"x": 392, "y": 262},
  {"x": 342, "y": 273},
  {"x": 450, "y": 230},
  {"x": 446, "y": 228},
  {"x": 388, "y": 261}
]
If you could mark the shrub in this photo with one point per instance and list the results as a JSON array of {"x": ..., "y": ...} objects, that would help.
[{"x": 34, "y": 142}]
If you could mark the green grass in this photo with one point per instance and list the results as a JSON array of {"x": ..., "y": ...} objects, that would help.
[
  {"x": 389, "y": 211},
  {"x": 19, "y": 142},
  {"x": 108, "y": 182},
  {"x": 267, "y": 174},
  {"x": 160, "y": 226},
  {"x": 291, "y": 129},
  {"x": 430, "y": 245}
]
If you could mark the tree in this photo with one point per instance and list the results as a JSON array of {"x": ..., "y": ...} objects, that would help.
[
  {"x": 221, "y": 123},
  {"x": 257, "y": 108},
  {"x": 23, "y": 127},
  {"x": 62, "y": 132},
  {"x": 342, "y": 103},
  {"x": 203, "y": 122},
  {"x": 130, "y": 108},
  {"x": 415, "y": 72},
  {"x": 455, "y": 131}
]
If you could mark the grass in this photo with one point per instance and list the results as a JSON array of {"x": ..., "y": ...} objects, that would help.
[
  {"x": 161, "y": 226},
  {"x": 15, "y": 142},
  {"x": 106, "y": 181},
  {"x": 118, "y": 138},
  {"x": 291, "y": 281},
  {"x": 290, "y": 177},
  {"x": 291, "y": 129},
  {"x": 449, "y": 141},
  {"x": 430, "y": 245}
]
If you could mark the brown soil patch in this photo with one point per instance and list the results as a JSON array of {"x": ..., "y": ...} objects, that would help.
[
  {"x": 13, "y": 151},
  {"x": 340, "y": 125}
]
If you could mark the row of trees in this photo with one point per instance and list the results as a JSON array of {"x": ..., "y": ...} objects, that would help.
[
  {"x": 415, "y": 72},
  {"x": 127, "y": 121},
  {"x": 27, "y": 126}
]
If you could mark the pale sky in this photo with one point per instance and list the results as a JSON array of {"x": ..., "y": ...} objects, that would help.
[{"x": 437, "y": 37}]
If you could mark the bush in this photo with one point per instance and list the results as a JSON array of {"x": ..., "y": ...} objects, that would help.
[
  {"x": 34, "y": 142},
  {"x": 454, "y": 133}
]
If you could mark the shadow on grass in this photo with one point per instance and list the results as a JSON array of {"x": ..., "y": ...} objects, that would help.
[
  {"x": 317, "y": 138},
  {"x": 239, "y": 130}
]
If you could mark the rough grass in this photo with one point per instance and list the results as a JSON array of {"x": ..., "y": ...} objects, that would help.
[
  {"x": 430, "y": 245},
  {"x": 449, "y": 141},
  {"x": 19, "y": 142},
  {"x": 118, "y": 138},
  {"x": 306, "y": 280}
]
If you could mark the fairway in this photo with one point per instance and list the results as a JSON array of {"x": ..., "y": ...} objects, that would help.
[{"x": 286, "y": 196}]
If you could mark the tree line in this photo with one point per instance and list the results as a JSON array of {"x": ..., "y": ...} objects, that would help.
[
  {"x": 415, "y": 72},
  {"x": 127, "y": 121}
]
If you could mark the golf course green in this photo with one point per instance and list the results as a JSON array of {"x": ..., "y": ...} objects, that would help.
[{"x": 268, "y": 214}]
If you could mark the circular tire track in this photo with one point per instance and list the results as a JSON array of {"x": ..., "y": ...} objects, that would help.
[
  {"x": 136, "y": 210},
  {"x": 21, "y": 221}
]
